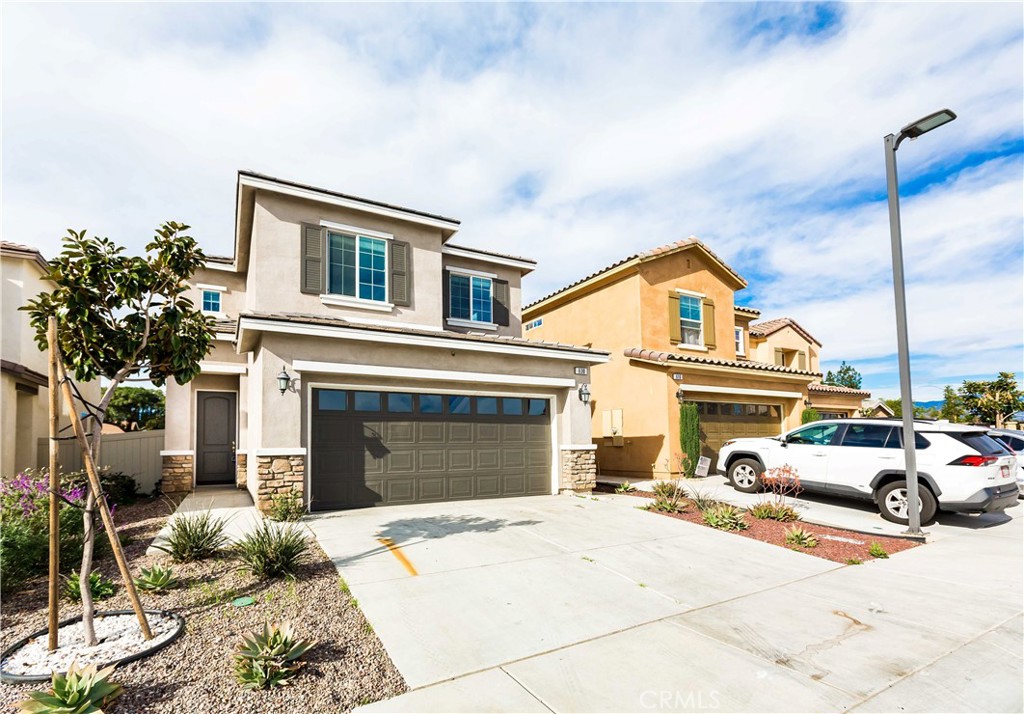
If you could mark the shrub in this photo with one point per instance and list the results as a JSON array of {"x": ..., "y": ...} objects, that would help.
[
  {"x": 724, "y": 517},
  {"x": 271, "y": 551},
  {"x": 287, "y": 507},
  {"x": 769, "y": 510},
  {"x": 83, "y": 690},
  {"x": 689, "y": 438},
  {"x": 24, "y": 527},
  {"x": 100, "y": 587},
  {"x": 625, "y": 487},
  {"x": 269, "y": 658},
  {"x": 194, "y": 536},
  {"x": 782, "y": 482},
  {"x": 875, "y": 550},
  {"x": 119, "y": 488},
  {"x": 156, "y": 579},
  {"x": 801, "y": 537},
  {"x": 703, "y": 501},
  {"x": 668, "y": 496},
  {"x": 808, "y": 415}
]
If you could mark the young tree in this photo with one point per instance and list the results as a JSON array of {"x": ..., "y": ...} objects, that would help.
[
  {"x": 118, "y": 316},
  {"x": 992, "y": 402},
  {"x": 897, "y": 409},
  {"x": 135, "y": 408},
  {"x": 952, "y": 406},
  {"x": 846, "y": 376}
]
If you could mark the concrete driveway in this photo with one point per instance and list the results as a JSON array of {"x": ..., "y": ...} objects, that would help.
[{"x": 570, "y": 604}]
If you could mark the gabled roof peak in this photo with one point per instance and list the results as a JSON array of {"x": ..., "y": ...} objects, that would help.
[{"x": 768, "y": 327}]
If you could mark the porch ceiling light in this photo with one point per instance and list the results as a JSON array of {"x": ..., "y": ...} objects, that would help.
[
  {"x": 284, "y": 380},
  {"x": 584, "y": 392}
]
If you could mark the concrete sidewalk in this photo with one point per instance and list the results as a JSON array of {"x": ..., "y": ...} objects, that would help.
[{"x": 568, "y": 604}]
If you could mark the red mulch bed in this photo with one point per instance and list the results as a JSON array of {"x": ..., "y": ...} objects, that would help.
[{"x": 834, "y": 544}]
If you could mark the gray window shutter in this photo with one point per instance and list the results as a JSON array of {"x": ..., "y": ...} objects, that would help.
[
  {"x": 802, "y": 360},
  {"x": 499, "y": 302},
  {"x": 401, "y": 275},
  {"x": 313, "y": 263},
  {"x": 675, "y": 331},
  {"x": 780, "y": 357},
  {"x": 446, "y": 287},
  {"x": 709, "y": 323}
]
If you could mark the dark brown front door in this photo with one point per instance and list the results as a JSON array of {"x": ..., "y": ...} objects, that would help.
[{"x": 215, "y": 438}]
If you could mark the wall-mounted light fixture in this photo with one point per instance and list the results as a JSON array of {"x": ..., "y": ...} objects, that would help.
[
  {"x": 284, "y": 381},
  {"x": 584, "y": 392},
  {"x": 807, "y": 403},
  {"x": 680, "y": 394}
]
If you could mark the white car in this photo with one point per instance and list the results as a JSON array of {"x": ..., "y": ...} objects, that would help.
[
  {"x": 960, "y": 468},
  {"x": 1014, "y": 441}
]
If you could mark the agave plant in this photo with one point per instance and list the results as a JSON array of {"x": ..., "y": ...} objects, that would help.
[
  {"x": 625, "y": 487},
  {"x": 800, "y": 537},
  {"x": 774, "y": 511},
  {"x": 100, "y": 587},
  {"x": 269, "y": 658},
  {"x": 194, "y": 536},
  {"x": 83, "y": 690},
  {"x": 724, "y": 517},
  {"x": 156, "y": 579},
  {"x": 272, "y": 551}
]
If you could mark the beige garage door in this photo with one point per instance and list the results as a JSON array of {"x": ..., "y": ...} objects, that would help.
[{"x": 720, "y": 421}]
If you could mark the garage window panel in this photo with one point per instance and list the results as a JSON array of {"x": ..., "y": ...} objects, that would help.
[
  {"x": 513, "y": 407},
  {"x": 431, "y": 404},
  {"x": 399, "y": 403},
  {"x": 537, "y": 407},
  {"x": 332, "y": 400},
  {"x": 487, "y": 405},
  {"x": 366, "y": 401},
  {"x": 459, "y": 405}
]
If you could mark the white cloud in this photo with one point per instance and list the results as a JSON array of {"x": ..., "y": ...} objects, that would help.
[{"x": 638, "y": 125}]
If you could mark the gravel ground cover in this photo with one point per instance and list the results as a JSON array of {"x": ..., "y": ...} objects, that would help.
[
  {"x": 834, "y": 544},
  {"x": 347, "y": 668}
]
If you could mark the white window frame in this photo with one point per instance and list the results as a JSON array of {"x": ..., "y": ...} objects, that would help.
[
  {"x": 219, "y": 290},
  {"x": 470, "y": 323},
  {"x": 329, "y": 298},
  {"x": 700, "y": 347},
  {"x": 741, "y": 341}
]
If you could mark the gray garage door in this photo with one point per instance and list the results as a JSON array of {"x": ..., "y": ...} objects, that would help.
[
  {"x": 387, "y": 448},
  {"x": 720, "y": 421}
]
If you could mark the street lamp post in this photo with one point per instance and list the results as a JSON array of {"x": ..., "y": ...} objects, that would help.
[{"x": 910, "y": 131}]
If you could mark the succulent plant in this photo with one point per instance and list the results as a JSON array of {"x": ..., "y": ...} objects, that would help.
[
  {"x": 156, "y": 579},
  {"x": 771, "y": 510},
  {"x": 625, "y": 487},
  {"x": 83, "y": 690},
  {"x": 724, "y": 517},
  {"x": 100, "y": 587},
  {"x": 269, "y": 658},
  {"x": 272, "y": 551},
  {"x": 801, "y": 537},
  {"x": 194, "y": 536},
  {"x": 875, "y": 550}
]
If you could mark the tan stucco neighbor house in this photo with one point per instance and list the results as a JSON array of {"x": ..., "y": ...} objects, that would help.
[
  {"x": 24, "y": 391},
  {"x": 669, "y": 318},
  {"x": 362, "y": 357}
]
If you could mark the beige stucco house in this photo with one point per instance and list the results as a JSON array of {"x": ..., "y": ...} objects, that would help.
[
  {"x": 670, "y": 320},
  {"x": 362, "y": 357},
  {"x": 24, "y": 394}
]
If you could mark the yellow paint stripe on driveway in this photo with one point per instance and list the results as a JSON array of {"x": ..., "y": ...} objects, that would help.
[{"x": 397, "y": 552}]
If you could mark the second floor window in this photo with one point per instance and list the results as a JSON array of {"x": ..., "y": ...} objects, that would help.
[
  {"x": 211, "y": 301},
  {"x": 470, "y": 298},
  {"x": 357, "y": 266},
  {"x": 740, "y": 349},
  {"x": 690, "y": 320}
]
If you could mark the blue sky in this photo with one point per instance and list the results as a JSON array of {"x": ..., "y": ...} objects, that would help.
[{"x": 575, "y": 134}]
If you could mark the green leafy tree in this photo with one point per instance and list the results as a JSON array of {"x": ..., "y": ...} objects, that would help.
[
  {"x": 135, "y": 408},
  {"x": 118, "y": 316},
  {"x": 689, "y": 437},
  {"x": 919, "y": 412},
  {"x": 952, "y": 406},
  {"x": 992, "y": 402},
  {"x": 845, "y": 376}
]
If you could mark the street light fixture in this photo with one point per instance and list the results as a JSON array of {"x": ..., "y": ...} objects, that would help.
[{"x": 910, "y": 131}]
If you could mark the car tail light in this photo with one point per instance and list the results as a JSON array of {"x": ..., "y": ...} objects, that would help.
[{"x": 974, "y": 460}]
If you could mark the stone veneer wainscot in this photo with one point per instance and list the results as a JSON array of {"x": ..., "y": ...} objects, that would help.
[
  {"x": 278, "y": 475},
  {"x": 176, "y": 474},
  {"x": 579, "y": 470}
]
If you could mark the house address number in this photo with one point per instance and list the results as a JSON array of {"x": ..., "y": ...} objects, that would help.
[{"x": 581, "y": 370}]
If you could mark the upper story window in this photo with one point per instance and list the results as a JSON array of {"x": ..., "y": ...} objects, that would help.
[
  {"x": 690, "y": 322},
  {"x": 534, "y": 323},
  {"x": 470, "y": 298},
  {"x": 211, "y": 301},
  {"x": 357, "y": 266},
  {"x": 741, "y": 348}
]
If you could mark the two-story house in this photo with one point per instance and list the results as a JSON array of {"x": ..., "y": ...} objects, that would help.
[
  {"x": 24, "y": 384},
  {"x": 670, "y": 320},
  {"x": 362, "y": 358}
]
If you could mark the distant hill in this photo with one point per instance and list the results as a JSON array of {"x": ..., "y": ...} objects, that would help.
[{"x": 934, "y": 404}]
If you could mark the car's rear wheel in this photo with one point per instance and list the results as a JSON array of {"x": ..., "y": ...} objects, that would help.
[
  {"x": 894, "y": 505},
  {"x": 745, "y": 475}
]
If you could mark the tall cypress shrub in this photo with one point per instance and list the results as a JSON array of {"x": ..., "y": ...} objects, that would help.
[{"x": 689, "y": 437}]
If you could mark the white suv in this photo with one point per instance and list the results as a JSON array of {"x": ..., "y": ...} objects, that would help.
[{"x": 960, "y": 468}]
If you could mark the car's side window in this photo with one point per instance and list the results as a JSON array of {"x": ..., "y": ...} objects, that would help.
[
  {"x": 819, "y": 434},
  {"x": 866, "y": 435}
]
